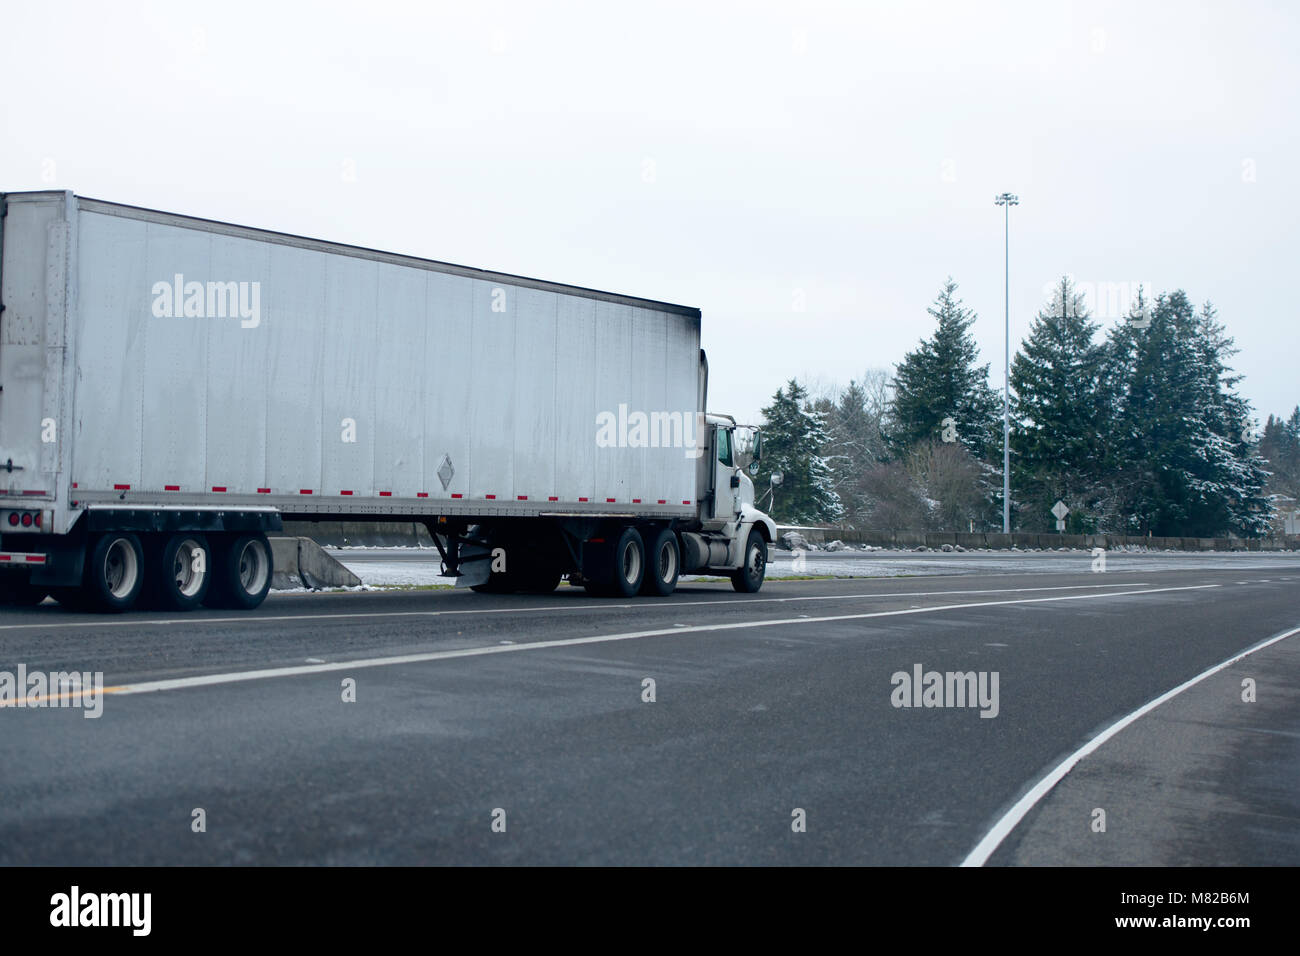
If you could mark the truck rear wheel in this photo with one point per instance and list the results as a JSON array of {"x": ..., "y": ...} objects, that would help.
[
  {"x": 749, "y": 577},
  {"x": 241, "y": 572},
  {"x": 114, "y": 572},
  {"x": 629, "y": 564},
  {"x": 663, "y": 563}
]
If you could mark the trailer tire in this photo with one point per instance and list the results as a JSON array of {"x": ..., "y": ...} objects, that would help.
[
  {"x": 663, "y": 564},
  {"x": 628, "y": 565},
  {"x": 115, "y": 571},
  {"x": 748, "y": 578},
  {"x": 179, "y": 572},
  {"x": 241, "y": 572}
]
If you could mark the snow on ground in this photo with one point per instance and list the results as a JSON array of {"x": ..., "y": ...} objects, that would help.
[{"x": 406, "y": 567}]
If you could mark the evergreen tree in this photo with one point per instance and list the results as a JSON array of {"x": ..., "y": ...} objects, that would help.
[
  {"x": 795, "y": 441},
  {"x": 940, "y": 380},
  {"x": 1279, "y": 445},
  {"x": 1056, "y": 443},
  {"x": 1181, "y": 464},
  {"x": 855, "y": 445}
]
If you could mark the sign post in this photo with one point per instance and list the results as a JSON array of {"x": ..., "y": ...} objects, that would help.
[{"x": 1060, "y": 511}]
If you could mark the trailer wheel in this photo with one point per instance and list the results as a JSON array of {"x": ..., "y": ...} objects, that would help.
[
  {"x": 663, "y": 563},
  {"x": 114, "y": 572},
  {"x": 241, "y": 572},
  {"x": 629, "y": 564},
  {"x": 749, "y": 578},
  {"x": 180, "y": 572}
]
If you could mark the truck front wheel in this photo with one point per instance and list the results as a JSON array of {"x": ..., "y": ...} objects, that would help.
[{"x": 749, "y": 578}]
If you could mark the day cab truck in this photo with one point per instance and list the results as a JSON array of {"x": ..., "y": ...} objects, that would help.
[{"x": 173, "y": 388}]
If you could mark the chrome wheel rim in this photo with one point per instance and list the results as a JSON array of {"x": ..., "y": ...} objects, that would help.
[
  {"x": 252, "y": 567},
  {"x": 188, "y": 578},
  {"x": 121, "y": 568}
]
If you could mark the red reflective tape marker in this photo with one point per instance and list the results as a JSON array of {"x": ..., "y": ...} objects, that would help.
[
  {"x": 121, "y": 487},
  {"x": 171, "y": 487},
  {"x": 421, "y": 494},
  {"x": 218, "y": 487},
  {"x": 345, "y": 492},
  {"x": 457, "y": 495},
  {"x": 263, "y": 491}
]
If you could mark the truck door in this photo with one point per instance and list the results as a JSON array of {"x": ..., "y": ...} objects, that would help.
[{"x": 726, "y": 497}]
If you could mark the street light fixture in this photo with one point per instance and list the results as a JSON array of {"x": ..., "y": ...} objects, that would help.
[{"x": 1006, "y": 201}]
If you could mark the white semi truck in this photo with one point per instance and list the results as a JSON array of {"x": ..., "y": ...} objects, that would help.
[{"x": 172, "y": 387}]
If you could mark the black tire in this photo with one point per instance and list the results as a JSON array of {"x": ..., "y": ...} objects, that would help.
[
  {"x": 115, "y": 570},
  {"x": 179, "y": 572},
  {"x": 663, "y": 564},
  {"x": 749, "y": 577},
  {"x": 17, "y": 590},
  {"x": 627, "y": 569},
  {"x": 241, "y": 572}
]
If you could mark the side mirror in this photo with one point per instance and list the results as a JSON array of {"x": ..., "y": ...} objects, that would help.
[{"x": 758, "y": 447}]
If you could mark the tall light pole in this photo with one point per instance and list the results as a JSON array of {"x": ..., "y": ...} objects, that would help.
[{"x": 1006, "y": 201}]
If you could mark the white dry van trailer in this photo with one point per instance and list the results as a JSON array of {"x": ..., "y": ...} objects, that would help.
[{"x": 172, "y": 387}]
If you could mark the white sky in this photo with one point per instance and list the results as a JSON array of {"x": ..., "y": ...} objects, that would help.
[{"x": 732, "y": 156}]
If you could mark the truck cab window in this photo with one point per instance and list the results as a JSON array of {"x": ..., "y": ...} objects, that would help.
[{"x": 724, "y": 446}]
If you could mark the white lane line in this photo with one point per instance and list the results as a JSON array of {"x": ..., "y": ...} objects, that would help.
[
  {"x": 254, "y": 619},
  {"x": 1009, "y": 820},
  {"x": 207, "y": 680}
]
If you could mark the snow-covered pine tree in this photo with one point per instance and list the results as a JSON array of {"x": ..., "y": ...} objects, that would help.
[
  {"x": 940, "y": 380},
  {"x": 1057, "y": 442},
  {"x": 1179, "y": 461},
  {"x": 795, "y": 441}
]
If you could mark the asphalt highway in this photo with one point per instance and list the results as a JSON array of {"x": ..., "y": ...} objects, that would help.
[{"x": 521, "y": 730}]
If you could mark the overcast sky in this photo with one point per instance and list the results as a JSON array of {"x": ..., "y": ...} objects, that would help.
[{"x": 806, "y": 174}]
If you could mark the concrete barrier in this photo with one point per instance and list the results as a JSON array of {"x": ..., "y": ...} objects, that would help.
[
  {"x": 362, "y": 534},
  {"x": 299, "y": 562}
]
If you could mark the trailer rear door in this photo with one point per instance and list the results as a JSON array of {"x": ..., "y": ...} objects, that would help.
[{"x": 35, "y": 247}]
